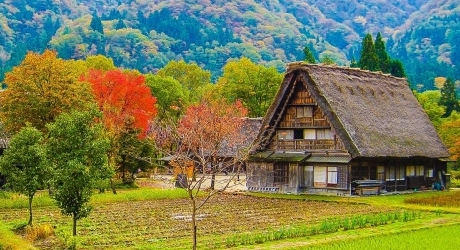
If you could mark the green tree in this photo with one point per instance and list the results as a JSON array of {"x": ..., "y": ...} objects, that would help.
[
  {"x": 24, "y": 164},
  {"x": 430, "y": 103},
  {"x": 397, "y": 68},
  {"x": 449, "y": 97},
  {"x": 132, "y": 153},
  {"x": 189, "y": 75},
  {"x": 308, "y": 55},
  {"x": 368, "y": 59},
  {"x": 327, "y": 59},
  {"x": 380, "y": 50},
  {"x": 171, "y": 96},
  {"x": 96, "y": 24},
  {"x": 100, "y": 62},
  {"x": 255, "y": 85},
  {"x": 120, "y": 24},
  {"x": 353, "y": 63},
  {"x": 78, "y": 152}
]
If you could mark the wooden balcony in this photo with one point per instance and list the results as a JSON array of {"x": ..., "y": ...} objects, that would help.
[
  {"x": 303, "y": 122},
  {"x": 305, "y": 144}
]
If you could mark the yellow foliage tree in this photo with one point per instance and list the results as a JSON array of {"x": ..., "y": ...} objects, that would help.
[{"x": 42, "y": 87}]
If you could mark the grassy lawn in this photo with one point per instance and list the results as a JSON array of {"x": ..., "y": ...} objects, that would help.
[{"x": 149, "y": 218}]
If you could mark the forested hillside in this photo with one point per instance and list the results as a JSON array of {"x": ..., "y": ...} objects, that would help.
[{"x": 145, "y": 35}]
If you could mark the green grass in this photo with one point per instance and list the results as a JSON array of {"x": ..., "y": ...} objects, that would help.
[
  {"x": 445, "y": 237},
  {"x": 394, "y": 200},
  {"x": 42, "y": 199},
  {"x": 10, "y": 241},
  {"x": 149, "y": 218}
]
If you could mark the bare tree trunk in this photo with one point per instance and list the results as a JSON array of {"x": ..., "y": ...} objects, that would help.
[
  {"x": 114, "y": 191},
  {"x": 74, "y": 226},
  {"x": 30, "y": 210},
  {"x": 194, "y": 221},
  {"x": 213, "y": 176}
]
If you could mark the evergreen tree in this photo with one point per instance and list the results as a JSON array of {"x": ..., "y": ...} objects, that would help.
[
  {"x": 354, "y": 63},
  {"x": 449, "y": 98},
  {"x": 397, "y": 69},
  {"x": 96, "y": 24},
  {"x": 308, "y": 55},
  {"x": 120, "y": 24},
  {"x": 369, "y": 59},
  {"x": 380, "y": 50},
  {"x": 327, "y": 60}
]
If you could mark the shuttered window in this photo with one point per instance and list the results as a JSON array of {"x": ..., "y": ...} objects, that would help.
[{"x": 281, "y": 172}]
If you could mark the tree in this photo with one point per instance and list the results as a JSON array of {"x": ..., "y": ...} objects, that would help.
[
  {"x": 96, "y": 24},
  {"x": 255, "y": 85},
  {"x": 207, "y": 132},
  {"x": 368, "y": 59},
  {"x": 120, "y": 24},
  {"x": 353, "y": 63},
  {"x": 449, "y": 97},
  {"x": 380, "y": 50},
  {"x": 397, "y": 68},
  {"x": 127, "y": 107},
  {"x": 308, "y": 55},
  {"x": 41, "y": 88},
  {"x": 77, "y": 161},
  {"x": 190, "y": 76},
  {"x": 132, "y": 152},
  {"x": 172, "y": 97},
  {"x": 123, "y": 98},
  {"x": 24, "y": 164},
  {"x": 100, "y": 62},
  {"x": 327, "y": 60}
]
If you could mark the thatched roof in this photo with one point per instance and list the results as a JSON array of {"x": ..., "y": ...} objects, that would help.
[
  {"x": 375, "y": 115},
  {"x": 248, "y": 133}
]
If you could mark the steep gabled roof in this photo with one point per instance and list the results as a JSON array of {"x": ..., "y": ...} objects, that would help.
[
  {"x": 247, "y": 134},
  {"x": 375, "y": 115}
]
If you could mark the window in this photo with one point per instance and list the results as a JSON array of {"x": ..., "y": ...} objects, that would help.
[
  {"x": 281, "y": 172},
  {"x": 298, "y": 134},
  {"x": 331, "y": 176},
  {"x": 325, "y": 176},
  {"x": 309, "y": 134},
  {"x": 429, "y": 172},
  {"x": 285, "y": 134},
  {"x": 304, "y": 111},
  {"x": 400, "y": 173},
  {"x": 419, "y": 170},
  {"x": 410, "y": 170},
  {"x": 380, "y": 173},
  {"x": 324, "y": 134}
]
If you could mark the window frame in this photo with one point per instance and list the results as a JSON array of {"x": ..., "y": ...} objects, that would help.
[{"x": 280, "y": 172}]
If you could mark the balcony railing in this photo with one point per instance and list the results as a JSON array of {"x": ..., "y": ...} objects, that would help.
[
  {"x": 305, "y": 144},
  {"x": 303, "y": 122}
]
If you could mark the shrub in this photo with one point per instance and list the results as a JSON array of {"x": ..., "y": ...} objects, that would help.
[{"x": 40, "y": 232}]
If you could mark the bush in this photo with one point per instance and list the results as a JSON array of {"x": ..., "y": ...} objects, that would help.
[{"x": 39, "y": 232}]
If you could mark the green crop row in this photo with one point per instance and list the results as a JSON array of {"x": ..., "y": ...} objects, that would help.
[
  {"x": 433, "y": 238},
  {"x": 326, "y": 226}
]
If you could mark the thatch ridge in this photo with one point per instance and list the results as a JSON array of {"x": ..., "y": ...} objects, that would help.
[{"x": 374, "y": 114}]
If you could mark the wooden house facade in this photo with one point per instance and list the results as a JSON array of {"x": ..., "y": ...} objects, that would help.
[{"x": 330, "y": 126}]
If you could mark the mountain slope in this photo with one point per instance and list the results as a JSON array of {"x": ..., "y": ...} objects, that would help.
[{"x": 146, "y": 34}]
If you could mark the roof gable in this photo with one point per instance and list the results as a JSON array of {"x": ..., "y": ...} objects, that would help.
[{"x": 374, "y": 115}]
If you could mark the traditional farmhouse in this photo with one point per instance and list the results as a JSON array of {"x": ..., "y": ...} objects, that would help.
[{"x": 330, "y": 127}]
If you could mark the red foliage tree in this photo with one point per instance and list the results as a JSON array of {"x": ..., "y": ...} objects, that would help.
[
  {"x": 210, "y": 136},
  {"x": 124, "y": 99}
]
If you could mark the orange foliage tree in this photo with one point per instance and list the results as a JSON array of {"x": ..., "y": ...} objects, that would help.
[
  {"x": 210, "y": 135},
  {"x": 127, "y": 107},
  {"x": 42, "y": 87}
]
